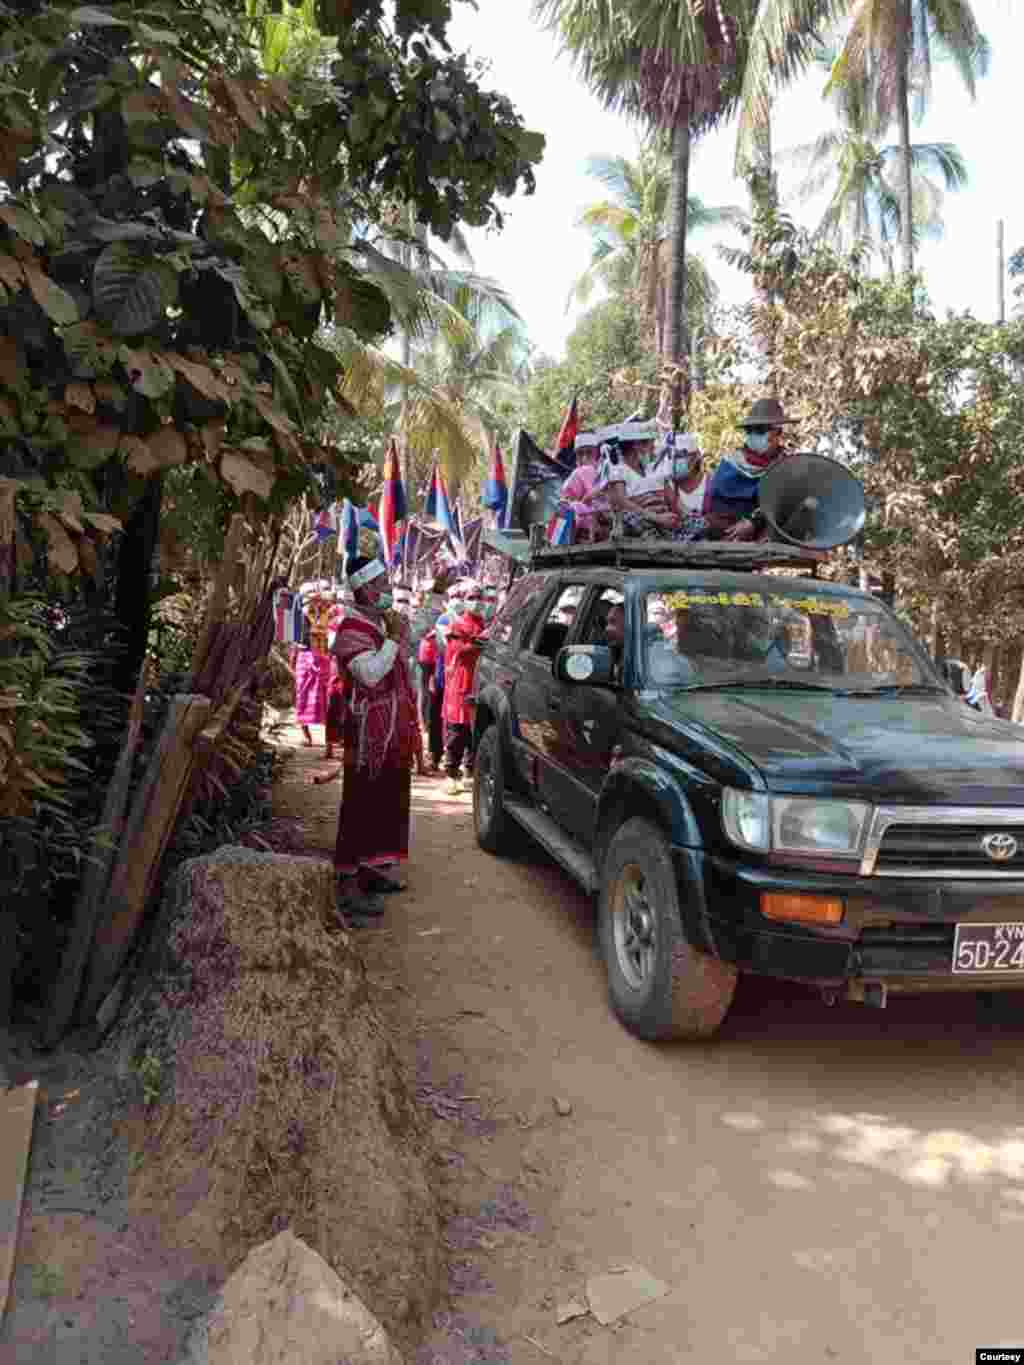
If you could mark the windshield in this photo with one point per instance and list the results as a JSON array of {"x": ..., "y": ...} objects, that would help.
[{"x": 792, "y": 636}]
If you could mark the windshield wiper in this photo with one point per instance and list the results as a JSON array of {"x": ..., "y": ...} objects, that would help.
[
  {"x": 793, "y": 684},
  {"x": 897, "y": 690}
]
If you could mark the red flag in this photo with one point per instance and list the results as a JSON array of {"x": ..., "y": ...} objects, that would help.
[{"x": 570, "y": 426}]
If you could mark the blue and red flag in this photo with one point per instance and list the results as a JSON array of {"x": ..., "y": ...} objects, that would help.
[
  {"x": 348, "y": 543},
  {"x": 567, "y": 436},
  {"x": 562, "y": 526},
  {"x": 495, "y": 496},
  {"x": 324, "y": 525},
  {"x": 391, "y": 509},
  {"x": 438, "y": 507}
]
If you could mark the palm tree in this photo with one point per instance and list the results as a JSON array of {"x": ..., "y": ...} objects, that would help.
[
  {"x": 462, "y": 353},
  {"x": 866, "y": 201},
  {"x": 630, "y": 230},
  {"x": 889, "y": 45},
  {"x": 891, "y": 41},
  {"x": 674, "y": 65}
]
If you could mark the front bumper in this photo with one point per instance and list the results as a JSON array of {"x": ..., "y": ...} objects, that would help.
[{"x": 896, "y": 932}]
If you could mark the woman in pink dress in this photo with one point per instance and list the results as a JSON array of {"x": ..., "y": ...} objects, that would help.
[{"x": 580, "y": 483}]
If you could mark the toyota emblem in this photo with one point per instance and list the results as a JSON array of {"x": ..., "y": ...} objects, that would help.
[{"x": 1000, "y": 847}]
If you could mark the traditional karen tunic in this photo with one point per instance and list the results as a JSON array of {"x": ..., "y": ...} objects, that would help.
[{"x": 379, "y": 739}]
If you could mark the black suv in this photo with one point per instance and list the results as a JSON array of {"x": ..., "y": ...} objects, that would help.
[{"x": 752, "y": 771}]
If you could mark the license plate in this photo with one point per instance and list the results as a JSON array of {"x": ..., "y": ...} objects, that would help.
[{"x": 989, "y": 948}]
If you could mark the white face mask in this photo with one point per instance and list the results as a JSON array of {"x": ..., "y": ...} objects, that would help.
[{"x": 758, "y": 441}]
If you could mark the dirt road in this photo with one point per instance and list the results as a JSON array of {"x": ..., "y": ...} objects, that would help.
[{"x": 815, "y": 1185}]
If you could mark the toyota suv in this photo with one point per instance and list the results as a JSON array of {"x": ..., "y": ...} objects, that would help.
[{"x": 752, "y": 771}]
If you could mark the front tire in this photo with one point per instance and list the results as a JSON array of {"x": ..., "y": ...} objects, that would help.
[
  {"x": 659, "y": 986},
  {"x": 494, "y": 832}
]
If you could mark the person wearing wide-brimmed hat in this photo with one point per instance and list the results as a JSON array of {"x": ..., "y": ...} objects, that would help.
[{"x": 733, "y": 512}]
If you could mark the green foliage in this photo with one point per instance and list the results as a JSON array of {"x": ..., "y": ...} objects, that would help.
[
  {"x": 166, "y": 264},
  {"x": 928, "y": 411},
  {"x": 607, "y": 361},
  {"x": 149, "y": 1070}
]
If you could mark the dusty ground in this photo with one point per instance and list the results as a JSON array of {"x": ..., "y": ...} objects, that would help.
[{"x": 816, "y": 1185}]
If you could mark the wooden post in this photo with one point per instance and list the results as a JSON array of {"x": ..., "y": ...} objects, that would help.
[
  {"x": 94, "y": 881},
  {"x": 148, "y": 830},
  {"x": 8, "y": 490},
  {"x": 216, "y": 609}
]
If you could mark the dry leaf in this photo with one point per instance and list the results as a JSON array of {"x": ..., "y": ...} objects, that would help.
[
  {"x": 102, "y": 521},
  {"x": 137, "y": 455},
  {"x": 80, "y": 396},
  {"x": 88, "y": 557},
  {"x": 247, "y": 111},
  {"x": 243, "y": 476},
  {"x": 168, "y": 447},
  {"x": 11, "y": 273},
  {"x": 212, "y": 435},
  {"x": 201, "y": 377},
  {"x": 61, "y": 550}
]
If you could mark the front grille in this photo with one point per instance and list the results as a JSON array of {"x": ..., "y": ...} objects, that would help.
[
  {"x": 942, "y": 847},
  {"x": 904, "y": 948}
]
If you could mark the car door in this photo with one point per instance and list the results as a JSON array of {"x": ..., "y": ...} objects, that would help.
[
  {"x": 587, "y": 720},
  {"x": 500, "y": 663},
  {"x": 537, "y": 691}
]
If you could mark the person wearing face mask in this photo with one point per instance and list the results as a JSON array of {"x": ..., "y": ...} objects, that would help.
[
  {"x": 580, "y": 483},
  {"x": 371, "y": 645},
  {"x": 462, "y": 653},
  {"x": 732, "y": 506}
]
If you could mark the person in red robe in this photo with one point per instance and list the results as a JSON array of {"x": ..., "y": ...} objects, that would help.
[
  {"x": 461, "y": 655},
  {"x": 372, "y": 646}
]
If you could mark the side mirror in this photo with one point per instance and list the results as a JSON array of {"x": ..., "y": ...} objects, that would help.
[{"x": 585, "y": 664}]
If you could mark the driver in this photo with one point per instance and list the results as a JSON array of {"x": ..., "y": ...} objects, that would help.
[{"x": 615, "y": 635}]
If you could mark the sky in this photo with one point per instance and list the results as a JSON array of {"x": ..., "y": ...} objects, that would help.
[{"x": 540, "y": 252}]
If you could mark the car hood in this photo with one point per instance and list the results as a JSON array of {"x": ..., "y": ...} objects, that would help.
[{"x": 905, "y": 748}]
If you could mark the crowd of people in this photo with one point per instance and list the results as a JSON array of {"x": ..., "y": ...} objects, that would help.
[{"x": 667, "y": 492}]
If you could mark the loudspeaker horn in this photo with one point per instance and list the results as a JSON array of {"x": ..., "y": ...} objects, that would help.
[{"x": 813, "y": 501}]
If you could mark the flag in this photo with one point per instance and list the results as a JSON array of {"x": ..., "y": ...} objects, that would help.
[
  {"x": 495, "y": 496},
  {"x": 567, "y": 436},
  {"x": 391, "y": 509},
  {"x": 348, "y": 539},
  {"x": 439, "y": 508},
  {"x": 561, "y": 526},
  {"x": 324, "y": 525},
  {"x": 531, "y": 467}
]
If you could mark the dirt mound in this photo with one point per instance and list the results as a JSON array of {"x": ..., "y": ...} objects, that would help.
[{"x": 283, "y": 1102}]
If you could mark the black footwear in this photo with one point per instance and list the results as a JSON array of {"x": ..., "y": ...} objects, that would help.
[
  {"x": 377, "y": 884},
  {"x": 359, "y": 905}
]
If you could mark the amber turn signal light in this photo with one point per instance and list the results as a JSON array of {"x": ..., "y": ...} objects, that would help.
[{"x": 808, "y": 909}]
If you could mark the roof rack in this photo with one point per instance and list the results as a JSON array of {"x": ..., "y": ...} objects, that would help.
[{"x": 635, "y": 552}]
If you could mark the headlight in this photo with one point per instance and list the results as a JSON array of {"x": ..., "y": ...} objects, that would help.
[{"x": 786, "y": 824}]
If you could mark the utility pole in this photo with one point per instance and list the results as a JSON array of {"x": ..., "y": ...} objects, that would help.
[{"x": 1001, "y": 278}]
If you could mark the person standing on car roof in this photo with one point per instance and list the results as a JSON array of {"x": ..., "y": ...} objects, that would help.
[
  {"x": 462, "y": 652},
  {"x": 732, "y": 508}
]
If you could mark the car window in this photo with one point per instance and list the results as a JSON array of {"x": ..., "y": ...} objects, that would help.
[
  {"x": 553, "y": 629},
  {"x": 700, "y": 636},
  {"x": 594, "y": 630},
  {"x": 523, "y": 596}
]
